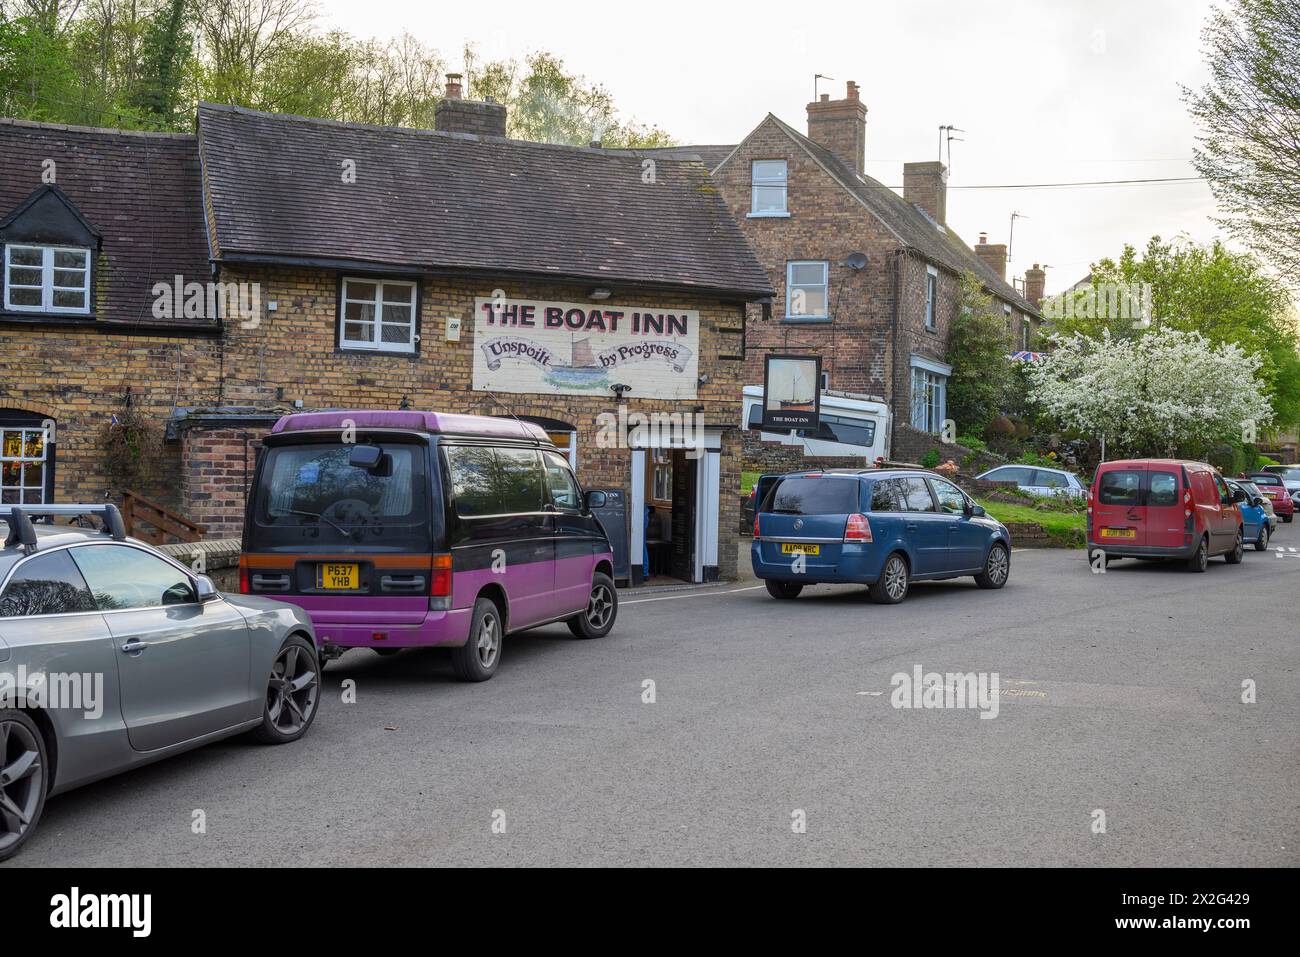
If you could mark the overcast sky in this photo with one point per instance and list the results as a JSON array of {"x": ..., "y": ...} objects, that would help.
[{"x": 1047, "y": 91}]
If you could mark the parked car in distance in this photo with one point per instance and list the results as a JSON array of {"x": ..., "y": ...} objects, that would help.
[
  {"x": 405, "y": 529},
  {"x": 1037, "y": 480},
  {"x": 1272, "y": 485},
  {"x": 1265, "y": 502},
  {"x": 1290, "y": 476},
  {"x": 1164, "y": 508},
  {"x": 883, "y": 528},
  {"x": 124, "y": 657},
  {"x": 1255, "y": 527}
]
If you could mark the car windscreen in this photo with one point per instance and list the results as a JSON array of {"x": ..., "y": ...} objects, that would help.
[
  {"x": 313, "y": 492},
  {"x": 813, "y": 496},
  {"x": 1268, "y": 478}
]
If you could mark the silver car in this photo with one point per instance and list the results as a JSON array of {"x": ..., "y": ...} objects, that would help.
[
  {"x": 113, "y": 655},
  {"x": 1037, "y": 480}
]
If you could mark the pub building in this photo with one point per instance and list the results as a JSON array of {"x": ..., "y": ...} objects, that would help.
[{"x": 193, "y": 288}]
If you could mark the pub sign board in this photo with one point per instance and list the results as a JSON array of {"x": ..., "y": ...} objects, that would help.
[
  {"x": 569, "y": 348},
  {"x": 791, "y": 392}
]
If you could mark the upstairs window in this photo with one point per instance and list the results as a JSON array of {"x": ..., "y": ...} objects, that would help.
[
  {"x": 807, "y": 290},
  {"x": 768, "y": 189},
  {"x": 377, "y": 314},
  {"x": 47, "y": 279}
]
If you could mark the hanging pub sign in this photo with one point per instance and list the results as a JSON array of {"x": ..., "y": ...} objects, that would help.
[
  {"x": 791, "y": 393},
  {"x": 539, "y": 346}
]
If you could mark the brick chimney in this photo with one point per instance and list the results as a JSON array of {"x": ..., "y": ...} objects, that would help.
[
  {"x": 994, "y": 255},
  {"x": 926, "y": 185},
  {"x": 453, "y": 114},
  {"x": 841, "y": 126},
  {"x": 1035, "y": 284}
]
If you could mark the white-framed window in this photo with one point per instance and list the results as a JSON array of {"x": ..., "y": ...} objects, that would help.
[
  {"x": 807, "y": 290},
  {"x": 931, "y": 295},
  {"x": 1006, "y": 311},
  {"x": 661, "y": 476},
  {"x": 929, "y": 394},
  {"x": 377, "y": 314},
  {"x": 1025, "y": 329},
  {"x": 768, "y": 188},
  {"x": 47, "y": 279},
  {"x": 23, "y": 461}
]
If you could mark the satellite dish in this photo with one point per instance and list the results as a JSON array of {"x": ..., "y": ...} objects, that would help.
[{"x": 856, "y": 261}]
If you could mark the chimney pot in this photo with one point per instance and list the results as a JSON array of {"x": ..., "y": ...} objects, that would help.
[
  {"x": 453, "y": 86},
  {"x": 984, "y": 238},
  {"x": 1035, "y": 284}
]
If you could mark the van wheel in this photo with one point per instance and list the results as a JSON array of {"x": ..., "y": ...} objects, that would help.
[
  {"x": 23, "y": 781},
  {"x": 1261, "y": 543},
  {"x": 782, "y": 589},
  {"x": 596, "y": 620},
  {"x": 1287, "y": 518},
  {"x": 997, "y": 569},
  {"x": 477, "y": 659},
  {"x": 1238, "y": 550},
  {"x": 891, "y": 587},
  {"x": 1200, "y": 559},
  {"x": 385, "y": 652}
]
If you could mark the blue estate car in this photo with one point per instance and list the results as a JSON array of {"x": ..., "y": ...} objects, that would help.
[{"x": 883, "y": 528}]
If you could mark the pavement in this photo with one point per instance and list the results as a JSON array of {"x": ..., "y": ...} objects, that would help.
[{"x": 1121, "y": 703}]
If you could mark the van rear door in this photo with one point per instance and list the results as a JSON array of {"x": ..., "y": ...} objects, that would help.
[
  {"x": 1165, "y": 506},
  {"x": 1118, "y": 514}
]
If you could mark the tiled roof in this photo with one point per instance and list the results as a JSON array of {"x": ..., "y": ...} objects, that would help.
[
  {"x": 710, "y": 156},
  {"x": 432, "y": 201},
  {"x": 915, "y": 229},
  {"x": 140, "y": 191}
]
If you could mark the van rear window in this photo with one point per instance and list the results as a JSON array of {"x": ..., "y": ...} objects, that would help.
[
  {"x": 1163, "y": 489},
  {"x": 309, "y": 481},
  {"x": 813, "y": 496},
  {"x": 1121, "y": 487}
]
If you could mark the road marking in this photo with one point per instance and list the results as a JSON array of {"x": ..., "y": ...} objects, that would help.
[{"x": 695, "y": 594}]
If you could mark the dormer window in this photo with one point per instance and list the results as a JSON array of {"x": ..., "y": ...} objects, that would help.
[
  {"x": 47, "y": 279},
  {"x": 49, "y": 257}
]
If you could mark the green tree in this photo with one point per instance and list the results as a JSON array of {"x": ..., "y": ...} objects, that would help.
[
  {"x": 1249, "y": 113},
  {"x": 979, "y": 345}
]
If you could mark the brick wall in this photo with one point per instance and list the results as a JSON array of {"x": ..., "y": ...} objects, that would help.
[
  {"x": 775, "y": 457},
  {"x": 80, "y": 378},
  {"x": 215, "y": 472}
]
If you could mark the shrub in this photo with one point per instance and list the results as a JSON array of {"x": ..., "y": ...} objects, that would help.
[{"x": 930, "y": 459}]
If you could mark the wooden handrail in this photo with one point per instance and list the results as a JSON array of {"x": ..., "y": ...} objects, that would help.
[{"x": 152, "y": 523}]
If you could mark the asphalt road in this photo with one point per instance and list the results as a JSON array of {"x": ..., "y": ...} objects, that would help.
[{"x": 1121, "y": 693}]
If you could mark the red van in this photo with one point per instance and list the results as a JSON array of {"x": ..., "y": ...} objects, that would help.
[{"x": 1163, "y": 508}]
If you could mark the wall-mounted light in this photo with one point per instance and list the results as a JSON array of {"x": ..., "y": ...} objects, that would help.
[
  {"x": 619, "y": 389},
  {"x": 704, "y": 379},
  {"x": 600, "y": 292},
  {"x": 405, "y": 403}
]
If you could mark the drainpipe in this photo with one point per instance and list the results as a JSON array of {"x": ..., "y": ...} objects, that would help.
[{"x": 893, "y": 392}]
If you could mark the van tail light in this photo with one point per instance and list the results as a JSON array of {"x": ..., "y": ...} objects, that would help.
[
  {"x": 440, "y": 581},
  {"x": 1089, "y": 499},
  {"x": 244, "y": 588},
  {"x": 1187, "y": 503},
  {"x": 756, "y": 524},
  {"x": 857, "y": 528}
]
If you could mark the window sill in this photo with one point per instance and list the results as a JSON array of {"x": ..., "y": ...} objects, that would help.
[
  {"x": 784, "y": 215},
  {"x": 806, "y": 320},
  {"x": 394, "y": 353}
]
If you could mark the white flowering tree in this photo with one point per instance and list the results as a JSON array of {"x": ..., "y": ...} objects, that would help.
[{"x": 1153, "y": 394}]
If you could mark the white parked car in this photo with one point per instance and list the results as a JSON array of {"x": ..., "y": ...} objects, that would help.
[{"x": 1038, "y": 481}]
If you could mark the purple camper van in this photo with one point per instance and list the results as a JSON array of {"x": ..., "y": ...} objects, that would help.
[{"x": 412, "y": 529}]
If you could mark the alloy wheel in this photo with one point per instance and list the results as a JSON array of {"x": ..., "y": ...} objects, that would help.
[
  {"x": 895, "y": 578},
  {"x": 22, "y": 781},
  {"x": 489, "y": 640},
  {"x": 291, "y": 695},
  {"x": 600, "y": 606},
  {"x": 999, "y": 565}
]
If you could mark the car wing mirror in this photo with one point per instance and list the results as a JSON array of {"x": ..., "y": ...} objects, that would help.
[
  {"x": 594, "y": 499},
  {"x": 977, "y": 510},
  {"x": 206, "y": 589},
  {"x": 367, "y": 457},
  {"x": 1238, "y": 495}
]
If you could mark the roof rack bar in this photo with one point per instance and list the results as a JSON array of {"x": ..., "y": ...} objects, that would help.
[{"x": 21, "y": 516}]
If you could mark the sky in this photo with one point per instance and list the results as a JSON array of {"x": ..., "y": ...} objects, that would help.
[{"x": 1048, "y": 91}]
